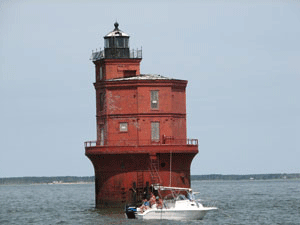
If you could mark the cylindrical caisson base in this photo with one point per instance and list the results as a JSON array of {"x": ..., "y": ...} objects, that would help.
[{"x": 127, "y": 178}]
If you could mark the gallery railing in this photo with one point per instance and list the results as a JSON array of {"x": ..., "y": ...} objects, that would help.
[
  {"x": 141, "y": 142},
  {"x": 132, "y": 54}
]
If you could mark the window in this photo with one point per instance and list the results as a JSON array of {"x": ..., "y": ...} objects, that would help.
[
  {"x": 129, "y": 73},
  {"x": 154, "y": 100},
  {"x": 123, "y": 127},
  {"x": 120, "y": 42},
  {"x": 108, "y": 42},
  {"x": 102, "y": 136},
  {"x": 101, "y": 101},
  {"x": 154, "y": 131},
  {"x": 100, "y": 73}
]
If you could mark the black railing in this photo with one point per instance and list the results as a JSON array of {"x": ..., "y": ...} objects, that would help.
[{"x": 133, "y": 54}]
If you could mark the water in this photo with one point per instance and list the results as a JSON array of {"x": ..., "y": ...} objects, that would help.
[{"x": 239, "y": 202}]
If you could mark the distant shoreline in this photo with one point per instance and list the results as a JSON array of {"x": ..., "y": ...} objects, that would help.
[
  {"x": 47, "y": 180},
  {"x": 91, "y": 179},
  {"x": 271, "y": 176}
]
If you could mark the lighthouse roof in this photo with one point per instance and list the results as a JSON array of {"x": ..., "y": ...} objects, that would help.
[
  {"x": 116, "y": 32},
  {"x": 144, "y": 77}
]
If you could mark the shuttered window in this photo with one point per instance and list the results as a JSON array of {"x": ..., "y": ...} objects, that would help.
[
  {"x": 102, "y": 95},
  {"x": 102, "y": 136},
  {"x": 154, "y": 100},
  {"x": 155, "y": 131},
  {"x": 100, "y": 73}
]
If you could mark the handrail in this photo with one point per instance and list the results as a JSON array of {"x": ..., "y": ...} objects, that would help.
[
  {"x": 141, "y": 142},
  {"x": 133, "y": 53},
  {"x": 90, "y": 144}
]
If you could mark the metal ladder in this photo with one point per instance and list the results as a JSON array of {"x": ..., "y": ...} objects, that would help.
[
  {"x": 140, "y": 180},
  {"x": 140, "y": 185},
  {"x": 154, "y": 168}
]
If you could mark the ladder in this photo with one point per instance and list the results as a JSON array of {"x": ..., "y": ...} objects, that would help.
[
  {"x": 154, "y": 168},
  {"x": 140, "y": 180},
  {"x": 140, "y": 185}
]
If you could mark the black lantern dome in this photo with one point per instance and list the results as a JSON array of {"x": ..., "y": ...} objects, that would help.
[{"x": 116, "y": 44}]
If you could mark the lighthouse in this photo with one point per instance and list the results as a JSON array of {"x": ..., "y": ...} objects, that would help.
[{"x": 141, "y": 127}]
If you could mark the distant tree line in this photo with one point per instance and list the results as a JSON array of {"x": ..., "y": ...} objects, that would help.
[
  {"x": 247, "y": 177},
  {"x": 45, "y": 180},
  {"x": 74, "y": 179}
]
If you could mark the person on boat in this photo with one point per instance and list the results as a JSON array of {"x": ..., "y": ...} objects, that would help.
[
  {"x": 145, "y": 205},
  {"x": 190, "y": 195},
  {"x": 152, "y": 200},
  {"x": 159, "y": 203}
]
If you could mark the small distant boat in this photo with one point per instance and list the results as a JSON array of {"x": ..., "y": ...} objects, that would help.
[{"x": 175, "y": 206}]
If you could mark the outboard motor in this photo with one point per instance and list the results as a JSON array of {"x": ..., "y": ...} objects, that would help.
[{"x": 130, "y": 211}]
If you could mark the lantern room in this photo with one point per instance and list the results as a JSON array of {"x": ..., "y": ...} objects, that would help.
[{"x": 116, "y": 44}]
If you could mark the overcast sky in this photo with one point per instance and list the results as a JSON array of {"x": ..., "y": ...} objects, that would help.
[{"x": 241, "y": 60}]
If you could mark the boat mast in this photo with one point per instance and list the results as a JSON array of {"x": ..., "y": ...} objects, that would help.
[{"x": 170, "y": 169}]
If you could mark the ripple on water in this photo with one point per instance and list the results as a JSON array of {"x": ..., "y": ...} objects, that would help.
[{"x": 239, "y": 202}]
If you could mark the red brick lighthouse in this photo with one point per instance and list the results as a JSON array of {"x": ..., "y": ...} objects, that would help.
[{"x": 141, "y": 127}]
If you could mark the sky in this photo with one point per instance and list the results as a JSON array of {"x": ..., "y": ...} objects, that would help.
[{"x": 241, "y": 60}]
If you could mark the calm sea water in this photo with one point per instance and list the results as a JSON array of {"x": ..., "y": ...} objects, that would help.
[{"x": 239, "y": 202}]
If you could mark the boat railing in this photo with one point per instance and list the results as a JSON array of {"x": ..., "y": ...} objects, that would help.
[
  {"x": 207, "y": 202},
  {"x": 169, "y": 204},
  {"x": 141, "y": 142}
]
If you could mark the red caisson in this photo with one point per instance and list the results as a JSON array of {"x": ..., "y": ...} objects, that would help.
[{"x": 141, "y": 127}]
